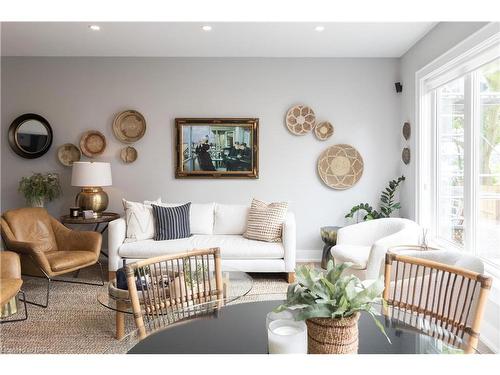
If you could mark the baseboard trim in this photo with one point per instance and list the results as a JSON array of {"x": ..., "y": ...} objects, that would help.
[{"x": 308, "y": 255}]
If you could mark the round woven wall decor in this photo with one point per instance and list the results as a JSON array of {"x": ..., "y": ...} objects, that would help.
[
  {"x": 300, "y": 119},
  {"x": 128, "y": 154},
  {"x": 323, "y": 130},
  {"x": 92, "y": 143},
  {"x": 340, "y": 166}
]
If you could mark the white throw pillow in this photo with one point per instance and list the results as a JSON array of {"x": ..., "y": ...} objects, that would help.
[
  {"x": 231, "y": 218},
  {"x": 139, "y": 220},
  {"x": 201, "y": 216}
]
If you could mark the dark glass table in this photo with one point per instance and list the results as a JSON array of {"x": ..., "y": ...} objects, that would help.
[{"x": 241, "y": 329}]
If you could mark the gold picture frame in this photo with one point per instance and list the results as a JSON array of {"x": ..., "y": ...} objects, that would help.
[{"x": 217, "y": 147}]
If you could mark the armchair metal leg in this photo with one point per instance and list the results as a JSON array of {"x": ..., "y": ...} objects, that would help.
[
  {"x": 47, "y": 277},
  {"x": 25, "y": 311}
]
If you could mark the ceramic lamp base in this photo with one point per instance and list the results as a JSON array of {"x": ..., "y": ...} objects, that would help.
[{"x": 93, "y": 198}]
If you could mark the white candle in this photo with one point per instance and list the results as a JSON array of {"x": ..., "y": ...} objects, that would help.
[{"x": 286, "y": 337}]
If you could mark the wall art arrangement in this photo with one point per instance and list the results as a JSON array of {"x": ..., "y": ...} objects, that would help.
[
  {"x": 301, "y": 119},
  {"x": 405, "y": 154},
  {"x": 340, "y": 166},
  {"x": 129, "y": 127},
  {"x": 217, "y": 147},
  {"x": 92, "y": 143},
  {"x": 68, "y": 153}
]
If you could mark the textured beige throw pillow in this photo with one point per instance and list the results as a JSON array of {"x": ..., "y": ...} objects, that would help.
[{"x": 265, "y": 221}]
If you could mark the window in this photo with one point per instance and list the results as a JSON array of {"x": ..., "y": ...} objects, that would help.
[{"x": 458, "y": 141}]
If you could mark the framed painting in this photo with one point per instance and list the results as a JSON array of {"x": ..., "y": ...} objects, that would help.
[{"x": 217, "y": 147}]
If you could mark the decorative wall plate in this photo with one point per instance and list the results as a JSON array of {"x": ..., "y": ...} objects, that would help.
[
  {"x": 323, "y": 130},
  {"x": 92, "y": 143},
  {"x": 128, "y": 154},
  {"x": 406, "y": 130},
  {"x": 406, "y": 155},
  {"x": 129, "y": 126},
  {"x": 68, "y": 153},
  {"x": 300, "y": 119},
  {"x": 340, "y": 166}
]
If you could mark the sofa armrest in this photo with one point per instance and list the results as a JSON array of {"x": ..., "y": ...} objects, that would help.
[
  {"x": 289, "y": 241},
  {"x": 117, "y": 231},
  {"x": 407, "y": 236}
]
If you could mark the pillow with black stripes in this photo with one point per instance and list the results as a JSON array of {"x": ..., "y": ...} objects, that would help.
[{"x": 171, "y": 223}]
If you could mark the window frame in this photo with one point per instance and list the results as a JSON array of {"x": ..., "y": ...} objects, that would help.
[{"x": 461, "y": 61}]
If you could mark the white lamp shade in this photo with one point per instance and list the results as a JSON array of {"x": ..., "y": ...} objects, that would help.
[{"x": 88, "y": 174}]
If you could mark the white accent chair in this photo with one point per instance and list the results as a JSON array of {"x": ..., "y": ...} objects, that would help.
[{"x": 365, "y": 244}]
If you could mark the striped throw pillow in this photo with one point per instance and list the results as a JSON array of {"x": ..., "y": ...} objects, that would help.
[
  {"x": 171, "y": 222},
  {"x": 265, "y": 221}
]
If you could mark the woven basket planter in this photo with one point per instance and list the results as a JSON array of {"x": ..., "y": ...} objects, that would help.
[{"x": 333, "y": 336}]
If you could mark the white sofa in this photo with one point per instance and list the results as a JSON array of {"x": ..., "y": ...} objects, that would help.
[
  {"x": 212, "y": 225},
  {"x": 365, "y": 244}
]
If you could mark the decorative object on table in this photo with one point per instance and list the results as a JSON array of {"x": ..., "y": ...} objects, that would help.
[
  {"x": 340, "y": 166},
  {"x": 88, "y": 214},
  {"x": 30, "y": 136},
  {"x": 300, "y": 119},
  {"x": 406, "y": 130},
  {"x": 387, "y": 204},
  {"x": 92, "y": 143},
  {"x": 91, "y": 176},
  {"x": 40, "y": 188},
  {"x": 74, "y": 211},
  {"x": 323, "y": 130},
  {"x": 265, "y": 221},
  {"x": 405, "y": 155},
  {"x": 68, "y": 153},
  {"x": 330, "y": 304},
  {"x": 286, "y": 336},
  {"x": 128, "y": 154},
  {"x": 129, "y": 126},
  {"x": 329, "y": 237},
  {"x": 217, "y": 147}
]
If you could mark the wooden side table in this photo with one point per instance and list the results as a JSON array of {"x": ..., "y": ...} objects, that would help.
[
  {"x": 105, "y": 218},
  {"x": 329, "y": 237}
]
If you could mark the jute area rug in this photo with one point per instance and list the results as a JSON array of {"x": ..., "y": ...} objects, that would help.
[{"x": 76, "y": 323}]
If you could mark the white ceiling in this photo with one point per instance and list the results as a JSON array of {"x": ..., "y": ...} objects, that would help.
[{"x": 229, "y": 39}]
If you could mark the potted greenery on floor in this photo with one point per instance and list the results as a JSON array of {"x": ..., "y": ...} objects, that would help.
[
  {"x": 40, "y": 188},
  {"x": 331, "y": 303}
]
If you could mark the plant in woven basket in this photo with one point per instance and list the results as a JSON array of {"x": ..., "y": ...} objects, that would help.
[
  {"x": 40, "y": 188},
  {"x": 330, "y": 303},
  {"x": 387, "y": 204}
]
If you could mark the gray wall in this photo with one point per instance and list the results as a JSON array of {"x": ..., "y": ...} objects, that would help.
[
  {"x": 440, "y": 39},
  {"x": 79, "y": 94}
]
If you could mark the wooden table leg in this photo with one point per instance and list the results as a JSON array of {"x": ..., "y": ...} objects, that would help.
[{"x": 120, "y": 322}]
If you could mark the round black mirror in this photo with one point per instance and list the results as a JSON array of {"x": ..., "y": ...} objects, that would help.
[{"x": 30, "y": 136}]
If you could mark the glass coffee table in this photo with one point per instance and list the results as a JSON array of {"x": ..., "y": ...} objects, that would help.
[{"x": 236, "y": 285}]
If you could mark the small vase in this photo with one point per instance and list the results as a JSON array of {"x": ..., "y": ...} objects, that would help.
[
  {"x": 37, "y": 203},
  {"x": 333, "y": 336}
]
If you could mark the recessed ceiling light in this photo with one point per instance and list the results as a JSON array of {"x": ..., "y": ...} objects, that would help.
[
  {"x": 94, "y": 27},
  {"x": 206, "y": 28},
  {"x": 319, "y": 28}
]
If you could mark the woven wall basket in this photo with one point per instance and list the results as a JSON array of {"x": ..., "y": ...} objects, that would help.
[
  {"x": 340, "y": 166},
  {"x": 333, "y": 336}
]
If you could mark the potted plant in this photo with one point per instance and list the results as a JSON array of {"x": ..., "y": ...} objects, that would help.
[
  {"x": 331, "y": 304},
  {"x": 40, "y": 188}
]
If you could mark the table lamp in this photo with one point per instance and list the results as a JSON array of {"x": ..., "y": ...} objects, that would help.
[{"x": 91, "y": 176}]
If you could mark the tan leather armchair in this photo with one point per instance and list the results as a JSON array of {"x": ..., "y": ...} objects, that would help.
[
  {"x": 45, "y": 243},
  {"x": 10, "y": 280}
]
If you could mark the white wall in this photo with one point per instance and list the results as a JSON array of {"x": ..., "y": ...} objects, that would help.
[
  {"x": 79, "y": 94},
  {"x": 440, "y": 39}
]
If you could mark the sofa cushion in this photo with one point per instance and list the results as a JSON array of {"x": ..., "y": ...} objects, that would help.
[
  {"x": 232, "y": 247},
  {"x": 201, "y": 216},
  {"x": 66, "y": 260},
  {"x": 171, "y": 223},
  {"x": 140, "y": 221},
  {"x": 358, "y": 255},
  {"x": 265, "y": 221},
  {"x": 230, "y": 218}
]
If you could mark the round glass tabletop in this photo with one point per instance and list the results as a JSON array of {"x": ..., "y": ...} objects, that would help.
[
  {"x": 236, "y": 285},
  {"x": 240, "y": 328}
]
